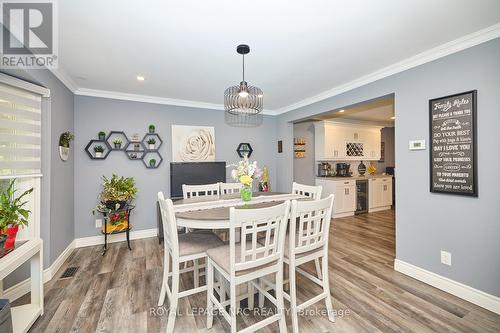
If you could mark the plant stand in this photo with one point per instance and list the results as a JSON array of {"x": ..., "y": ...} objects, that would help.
[{"x": 104, "y": 230}]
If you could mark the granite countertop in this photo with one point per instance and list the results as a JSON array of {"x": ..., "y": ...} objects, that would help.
[{"x": 355, "y": 177}]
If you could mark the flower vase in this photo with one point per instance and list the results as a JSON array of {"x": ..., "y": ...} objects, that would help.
[{"x": 246, "y": 193}]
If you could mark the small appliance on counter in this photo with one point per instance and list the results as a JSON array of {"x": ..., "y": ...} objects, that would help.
[
  {"x": 343, "y": 170},
  {"x": 325, "y": 169}
]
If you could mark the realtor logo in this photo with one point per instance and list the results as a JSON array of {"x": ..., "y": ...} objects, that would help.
[{"x": 29, "y": 34}]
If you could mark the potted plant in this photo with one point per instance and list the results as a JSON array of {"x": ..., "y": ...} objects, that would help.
[
  {"x": 117, "y": 191},
  {"x": 151, "y": 143},
  {"x": 98, "y": 151},
  {"x": 151, "y": 129},
  {"x": 118, "y": 143},
  {"x": 152, "y": 162},
  {"x": 12, "y": 214},
  {"x": 102, "y": 135},
  {"x": 64, "y": 142}
]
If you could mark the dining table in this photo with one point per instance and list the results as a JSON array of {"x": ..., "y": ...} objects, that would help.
[{"x": 212, "y": 212}]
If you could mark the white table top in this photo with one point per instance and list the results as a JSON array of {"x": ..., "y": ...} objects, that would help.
[{"x": 212, "y": 212}]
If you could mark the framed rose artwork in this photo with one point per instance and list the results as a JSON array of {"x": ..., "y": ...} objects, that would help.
[{"x": 193, "y": 143}]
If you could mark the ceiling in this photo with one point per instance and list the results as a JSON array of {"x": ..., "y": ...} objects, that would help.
[
  {"x": 299, "y": 50},
  {"x": 379, "y": 111}
]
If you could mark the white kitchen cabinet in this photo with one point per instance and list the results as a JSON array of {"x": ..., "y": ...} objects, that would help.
[
  {"x": 346, "y": 141},
  {"x": 345, "y": 195},
  {"x": 379, "y": 193}
]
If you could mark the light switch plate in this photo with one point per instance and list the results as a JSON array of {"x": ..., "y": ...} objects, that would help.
[
  {"x": 446, "y": 258},
  {"x": 98, "y": 223},
  {"x": 416, "y": 145}
]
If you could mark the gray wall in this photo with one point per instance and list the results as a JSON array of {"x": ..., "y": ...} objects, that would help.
[
  {"x": 56, "y": 226},
  {"x": 304, "y": 169},
  {"x": 94, "y": 114},
  {"x": 425, "y": 222}
]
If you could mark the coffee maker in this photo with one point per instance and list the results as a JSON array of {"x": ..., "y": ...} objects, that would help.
[
  {"x": 343, "y": 170},
  {"x": 324, "y": 169}
]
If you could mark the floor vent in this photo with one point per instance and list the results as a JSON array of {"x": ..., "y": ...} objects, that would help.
[{"x": 69, "y": 273}]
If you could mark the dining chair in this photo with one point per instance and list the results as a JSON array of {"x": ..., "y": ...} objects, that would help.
[
  {"x": 244, "y": 262},
  {"x": 313, "y": 192},
  {"x": 306, "y": 241},
  {"x": 182, "y": 248},
  {"x": 230, "y": 188},
  {"x": 191, "y": 191},
  {"x": 307, "y": 190}
]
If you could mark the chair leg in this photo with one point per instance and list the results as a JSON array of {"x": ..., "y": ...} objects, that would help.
[
  {"x": 251, "y": 295},
  {"x": 175, "y": 297},
  {"x": 261, "y": 295},
  {"x": 279, "y": 299},
  {"x": 196, "y": 273},
  {"x": 293, "y": 297},
  {"x": 233, "y": 310},
  {"x": 164, "y": 283},
  {"x": 326, "y": 289},
  {"x": 318, "y": 268},
  {"x": 210, "y": 291}
]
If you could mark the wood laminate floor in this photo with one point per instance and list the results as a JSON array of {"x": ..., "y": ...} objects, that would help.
[{"x": 119, "y": 292}]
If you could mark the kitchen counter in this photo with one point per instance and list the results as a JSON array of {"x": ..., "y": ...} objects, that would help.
[{"x": 355, "y": 177}]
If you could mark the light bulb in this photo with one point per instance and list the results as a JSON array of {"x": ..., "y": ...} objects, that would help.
[{"x": 243, "y": 94}]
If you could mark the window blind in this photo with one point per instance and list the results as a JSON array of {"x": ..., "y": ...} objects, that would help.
[{"x": 20, "y": 132}]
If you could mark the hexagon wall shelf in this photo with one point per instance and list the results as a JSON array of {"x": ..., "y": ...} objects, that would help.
[
  {"x": 152, "y": 155},
  {"x": 94, "y": 143},
  {"x": 157, "y": 138},
  {"x": 117, "y": 134},
  {"x": 244, "y": 149}
]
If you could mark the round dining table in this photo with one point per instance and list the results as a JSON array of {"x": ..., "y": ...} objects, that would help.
[{"x": 212, "y": 212}]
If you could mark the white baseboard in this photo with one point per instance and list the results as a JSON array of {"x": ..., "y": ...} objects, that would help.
[
  {"x": 99, "y": 239},
  {"x": 23, "y": 287},
  {"x": 455, "y": 288}
]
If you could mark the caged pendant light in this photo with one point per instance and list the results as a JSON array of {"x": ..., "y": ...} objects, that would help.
[{"x": 243, "y": 100}]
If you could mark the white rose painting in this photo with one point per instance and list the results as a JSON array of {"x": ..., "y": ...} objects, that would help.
[{"x": 193, "y": 143}]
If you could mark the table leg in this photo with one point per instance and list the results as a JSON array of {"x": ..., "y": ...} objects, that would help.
[
  {"x": 105, "y": 236},
  {"x": 36, "y": 264}
]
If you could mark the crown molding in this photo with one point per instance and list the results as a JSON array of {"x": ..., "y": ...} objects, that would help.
[
  {"x": 151, "y": 99},
  {"x": 443, "y": 50},
  {"x": 64, "y": 78}
]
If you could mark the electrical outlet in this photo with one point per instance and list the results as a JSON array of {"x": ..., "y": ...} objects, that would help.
[
  {"x": 446, "y": 258},
  {"x": 98, "y": 223}
]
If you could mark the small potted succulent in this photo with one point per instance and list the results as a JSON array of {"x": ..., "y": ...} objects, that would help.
[
  {"x": 151, "y": 143},
  {"x": 12, "y": 214},
  {"x": 117, "y": 142},
  {"x": 64, "y": 143},
  {"x": 102, "y": 135},
  {"x": 152, "y": 162},
  {"x": 98, "y": 151},
  {"x": 151, "y": 128}
]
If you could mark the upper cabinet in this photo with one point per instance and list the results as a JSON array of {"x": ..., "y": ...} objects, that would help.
[{"x": 345, "y": 141}]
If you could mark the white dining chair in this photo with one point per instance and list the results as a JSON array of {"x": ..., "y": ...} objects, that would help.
[
  {"x": 191, "y": 191},
  {"x": 230, "y": 188},
  {"x": 313, "y": 192},
  {"x": 306, "y": 241},
  {"x": 244, "y": 262},
  {"x": 182, "y": 248},
  {"x": 307, "y": 190}
]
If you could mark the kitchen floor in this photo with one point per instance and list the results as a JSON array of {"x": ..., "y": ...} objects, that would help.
[{"x": 118, "y": 292}]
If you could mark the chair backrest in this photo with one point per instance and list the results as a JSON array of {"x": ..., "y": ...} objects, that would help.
[
  {"x": 307, "y": 190},
  {"x": 312, "y": 223},
  {"x": 170, "y": 237},
  {"x": 269, "y": 224},
  {"x": 230, "y": 188},
  {"x": 191, "y": 191}
]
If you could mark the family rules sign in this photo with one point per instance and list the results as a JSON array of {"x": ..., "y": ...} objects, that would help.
[{"x": 453, "y": 162}]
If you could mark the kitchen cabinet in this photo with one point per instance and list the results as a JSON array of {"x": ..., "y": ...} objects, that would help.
[
  {"x": 345, "y": 195},
  {"x": 379, "y": 193},
  {"x": 346, "y": 141}
]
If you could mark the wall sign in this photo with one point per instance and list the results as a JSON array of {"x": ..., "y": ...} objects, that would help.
[{"x": 453, "y": 162}]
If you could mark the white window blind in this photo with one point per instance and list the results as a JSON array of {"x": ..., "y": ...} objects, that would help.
[{"x": 20, "y": 132}]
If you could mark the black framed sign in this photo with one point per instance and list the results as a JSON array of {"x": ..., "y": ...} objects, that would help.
[{"x": 453, "y": 153}]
